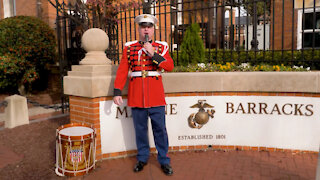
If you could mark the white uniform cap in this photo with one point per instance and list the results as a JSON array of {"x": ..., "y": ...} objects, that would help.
[{"x": 147, "y": 18}]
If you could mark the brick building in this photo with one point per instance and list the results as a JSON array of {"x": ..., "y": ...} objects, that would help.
[
  {"x": 38, "y": 8},
  {"x": 174, "y": 18},
  {"x": 291, "y": 29},
  {"x": 238, "y": 25}
]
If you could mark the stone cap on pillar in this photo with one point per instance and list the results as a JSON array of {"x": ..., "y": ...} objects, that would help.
[
  {"x": 95, "y": 75},
  {"x": 95, "y": 41}
]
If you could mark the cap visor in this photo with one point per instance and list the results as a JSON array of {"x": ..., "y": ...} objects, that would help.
[{"x": 149, "y": 24}]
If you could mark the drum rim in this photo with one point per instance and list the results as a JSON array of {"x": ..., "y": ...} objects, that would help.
[
  {"x": 64, "y": 172},
  {"x": 74, "y": 125},
  {"x": 75, "y": 138}
]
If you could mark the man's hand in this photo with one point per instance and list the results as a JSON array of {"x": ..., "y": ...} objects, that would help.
[
  {"x": 118, "y": 100},
  {"x": 149, "y": 49}
]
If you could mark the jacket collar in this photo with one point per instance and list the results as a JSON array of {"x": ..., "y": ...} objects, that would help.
[{"x": 142, "y": 42}]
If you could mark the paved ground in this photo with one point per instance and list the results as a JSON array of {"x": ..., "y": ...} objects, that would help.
[
  {"x": 210, "y": 164},
  {"x": 220, "y": 165}
]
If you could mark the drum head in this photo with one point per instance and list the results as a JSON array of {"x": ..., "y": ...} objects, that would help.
[{"x": 76, "y": 131}]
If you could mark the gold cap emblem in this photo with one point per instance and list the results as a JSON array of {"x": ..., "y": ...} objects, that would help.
[{"x": 145, "y": 16}]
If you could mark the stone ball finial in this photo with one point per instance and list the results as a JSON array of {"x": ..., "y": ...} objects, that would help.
[{"x": 95, "y": 41}]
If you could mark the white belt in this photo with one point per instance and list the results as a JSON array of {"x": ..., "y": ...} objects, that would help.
[{"x": 144, "y": 73}]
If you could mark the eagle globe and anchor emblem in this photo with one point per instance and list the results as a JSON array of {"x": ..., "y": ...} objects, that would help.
[{"x": 197, "y": 120}]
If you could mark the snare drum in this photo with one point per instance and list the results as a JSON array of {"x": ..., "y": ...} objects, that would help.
[{"x": 75, "y": 149}]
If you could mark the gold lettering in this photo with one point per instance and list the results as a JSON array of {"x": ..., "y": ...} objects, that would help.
[
  {"x": 275, "y": 108},
  {"x": 283, "y": 109},
  {"x": 297, "y": 109},
  {"x": 165, "y": 109},
  {"x": 251, "y": 108},
  {"x": 229, "y": 107},
  {"x": 240, "y": 107},
  {"x": 121, "y": 112},
  {"x": 263, "y": 108},
  {"x": 310, "y": 110},
  {"x": 173, "y": 108}
]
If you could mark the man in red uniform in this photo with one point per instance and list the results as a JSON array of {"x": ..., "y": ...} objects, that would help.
[{"x": 143, "y": 61}]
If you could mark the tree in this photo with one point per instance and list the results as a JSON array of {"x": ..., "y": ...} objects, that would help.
[
  {"x": 27, "y": 47},
  {"x": 94, "y": 13},
  {"x": 192, "y": 48},
  {"x": 263, "y": 7}
]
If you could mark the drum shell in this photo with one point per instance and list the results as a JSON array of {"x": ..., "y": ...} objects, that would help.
[{"x": 76, "y": 154}]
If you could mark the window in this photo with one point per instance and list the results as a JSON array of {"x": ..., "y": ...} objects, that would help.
[
  {"x": 305, "y": 29},
  {"x": 177, "y": 11},
  {"x": 150, "y": 7},
  {"x": 9, "y": 8}
]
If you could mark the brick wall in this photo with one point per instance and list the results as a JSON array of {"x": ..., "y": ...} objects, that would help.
[
  {"x": 29, "y": 8},
  {"x": 26, "y": 7},
  {"x": 50, "y": 13},
  {"x": 1, "y": 10},
  {"x": 86, "y": 110},
  {"x": 288, "y": 31}
]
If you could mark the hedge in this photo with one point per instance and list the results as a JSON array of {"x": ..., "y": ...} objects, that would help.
[
  {"x": 309, "y": 59},
  {"x": 27, "y": 48}
]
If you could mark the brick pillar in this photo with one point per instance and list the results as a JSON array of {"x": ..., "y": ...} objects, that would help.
[
  {"x": 90, "y": 82},
  {"x": 86, "y": 110}
]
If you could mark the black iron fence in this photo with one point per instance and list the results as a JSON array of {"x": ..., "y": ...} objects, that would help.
[
  {"x": 241, "y": 31},
  {"x": 255, "y": 31},
  {"x": 73, "y": 18}
]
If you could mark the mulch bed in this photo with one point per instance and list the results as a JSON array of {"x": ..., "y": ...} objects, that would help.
[{"x": 36, "y": 144}]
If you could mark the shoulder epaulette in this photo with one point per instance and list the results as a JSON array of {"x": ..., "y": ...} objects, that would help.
[
  {"x": 162, "y": 42},
  {"x": 130, "y": 43},
  {"x": 166, "y": 46}
]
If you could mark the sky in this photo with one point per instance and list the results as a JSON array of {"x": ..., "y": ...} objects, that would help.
[{"x": 242, "y": 12}]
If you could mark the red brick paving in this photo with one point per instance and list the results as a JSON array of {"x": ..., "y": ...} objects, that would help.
[
  {"x": 211, "y": 164},
  {"x": 8, "y": 157}
]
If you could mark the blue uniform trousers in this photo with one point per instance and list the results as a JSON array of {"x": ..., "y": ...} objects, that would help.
[{"x": 140, "y": 121}]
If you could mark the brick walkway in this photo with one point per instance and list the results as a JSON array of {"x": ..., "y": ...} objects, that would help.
[
  {"x": 220, "y": 165},
  {"x": 210, "y": 164}
]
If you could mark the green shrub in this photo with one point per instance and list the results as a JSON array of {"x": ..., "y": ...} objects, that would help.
[
  {"x": 306, "y": 58},
  {"x": 192, "y": 49},
  {"x": 27, "y": 47},
  {"x": 11, "y": 68}
]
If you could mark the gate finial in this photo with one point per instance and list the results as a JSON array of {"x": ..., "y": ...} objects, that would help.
[{"x": 95, "y": 41}]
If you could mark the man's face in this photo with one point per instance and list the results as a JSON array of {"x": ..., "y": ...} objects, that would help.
[{"x": 146, "y": 30}]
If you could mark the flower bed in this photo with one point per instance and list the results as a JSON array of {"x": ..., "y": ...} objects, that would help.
[{"x": 229, "y": 67}]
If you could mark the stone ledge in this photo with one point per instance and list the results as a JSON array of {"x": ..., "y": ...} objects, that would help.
[
  {"x": 91, "y": 87},
  {"x": 305, "y": 82},
  {"x": 242, "y": 82}
]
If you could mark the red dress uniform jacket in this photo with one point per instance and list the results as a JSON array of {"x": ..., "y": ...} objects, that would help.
[{"x": 144, "y": 91}]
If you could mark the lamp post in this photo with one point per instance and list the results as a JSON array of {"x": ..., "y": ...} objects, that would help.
[
  {"x": 254, "y": 42},
  {"x": 146, "y": 6}
]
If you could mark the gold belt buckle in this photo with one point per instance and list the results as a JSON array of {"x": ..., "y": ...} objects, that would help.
[{"x": 144, "y": 73}]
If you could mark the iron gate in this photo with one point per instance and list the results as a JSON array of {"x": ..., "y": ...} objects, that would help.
[{"x": 72, "y": 20}]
